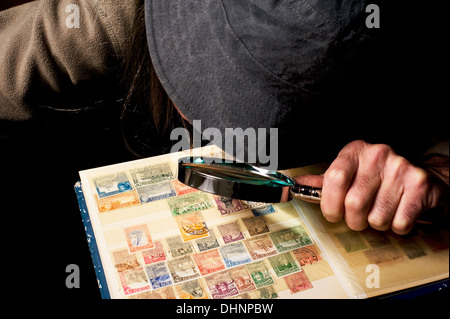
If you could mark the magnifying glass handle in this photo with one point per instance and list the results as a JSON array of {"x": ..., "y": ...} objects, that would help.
[{"x": 306, "y": 193}]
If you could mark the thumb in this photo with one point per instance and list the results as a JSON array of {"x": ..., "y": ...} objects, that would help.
[{"x": 310, "y": 180}]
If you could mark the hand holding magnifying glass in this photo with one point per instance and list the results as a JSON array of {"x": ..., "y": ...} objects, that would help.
[{"x": 242, "y": 181}]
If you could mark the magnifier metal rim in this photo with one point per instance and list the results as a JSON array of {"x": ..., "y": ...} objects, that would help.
[{"x": 221, "y": 186}]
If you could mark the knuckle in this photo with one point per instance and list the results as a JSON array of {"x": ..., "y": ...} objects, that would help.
[
  {"x": 378, "y": 222},
  {"x": 336, "y": 177},
  {"x": 354, "y": 203}
]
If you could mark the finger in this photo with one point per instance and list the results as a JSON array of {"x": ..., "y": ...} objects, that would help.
[
  {"x": 362, "y": 190},
  {"x": 359, "y": 199},
  {"x": 336, "y": 182},
  {"x": 310, "y": 180},
  {"x": 386, "y": 202}
]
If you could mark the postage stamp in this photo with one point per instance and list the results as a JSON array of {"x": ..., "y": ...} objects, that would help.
[
  {"x": 290, "y": 238},
  {"x": 228, "y": 205},
  {"x": 298, "y": 282},
  {"x": 260, "y": 247},
  {"x": 267, "y": 292},
  {"x": 125, "y": 261},
  {"x": 221, "y": 285},
  {"x": 158, "y": 275},
  {"x": 183, "y": 269},
  {"x": 410, "y": 247},
  {"x": 307, "y": 255},
  {"x": 154, "y": 192},
  {"x": 209, "y": 262},
  {"x": 138, "y": 238},
  {"x": 207, "y": 243},
  {"x": 375, "y": 238},
  {"x": 112, "y": 184},
  {"x": 283, "y": 264},
  {"x": 193, "y": 289},
  {"x": 134, "y": 281},
  {"x": 242, "y": 279},
  {"x": 179, "y": 248},
  {"x": 155, "y": 254},
  {"x": 235, "y": 254},
  {"x": 161, "y": 293},
  {"x": 181, "y": 188},
  {"x": 192, "y": 226},
  {"x": 230, "y": 232},
  {"x": 151, "y": 174},
  {"x": 351, "y": 241},
  {"x": 260, "y": 274},
  {"x": 118, "y": 201},
  {"x": 264, "y": 210},
  {"x": 189, "y": 203},
  {"x": 256, "y": 225}
]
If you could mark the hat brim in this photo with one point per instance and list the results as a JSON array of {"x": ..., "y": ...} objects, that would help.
[{"x": 199, "y": 75}]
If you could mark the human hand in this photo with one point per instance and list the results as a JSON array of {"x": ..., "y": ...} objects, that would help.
[{"x": 369, "y": 184}]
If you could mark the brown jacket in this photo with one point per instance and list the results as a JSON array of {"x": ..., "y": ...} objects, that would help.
[{"x": 59, "y": 47}]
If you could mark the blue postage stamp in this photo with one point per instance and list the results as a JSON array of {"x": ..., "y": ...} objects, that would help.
[
  {"x": 112, "y": 184},
  {"x": 235, "y": 254},
  {"x": 159, "y": 275},
  {"x": 154, "y": 192}
]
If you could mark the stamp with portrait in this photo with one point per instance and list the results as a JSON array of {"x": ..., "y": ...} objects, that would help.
[
  {"x": 256, "y": 225},
  {"x": 298, "y": 282},
  {"x": 242, "y": 278},
  {"x": 192, "y": 289},
  {"x": 307, "y": 255},
  {"x": 228, "y": 205},
  {"x": 283, "y": 264},
  {"x": 260, "y": 274},
  {"x": 230, "y": 232},
  {"x": 221, "y": 285}
]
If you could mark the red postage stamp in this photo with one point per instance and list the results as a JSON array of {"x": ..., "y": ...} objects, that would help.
[
  {"x": 297, "y": 282},
  {"x": 209, "y": 262}
]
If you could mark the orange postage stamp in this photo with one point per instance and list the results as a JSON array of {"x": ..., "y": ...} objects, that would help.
[{"x": 138, "y": 238}]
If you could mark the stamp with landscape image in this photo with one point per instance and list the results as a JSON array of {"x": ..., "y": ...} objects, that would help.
[
  {"x": 124, "y": 261},
  {"x": 155, "y": 254},
  {"x": 267, "y": 292},
  {"x": 154, "y": 192},
  {"x": 207, "y": 243},
  {"x": 183, "y": 268},
  {"x": 112, "y": 184},
  {"x": 209, "y": 262},
  {"x": 134, "y": 281},
  {"x": 118, "y": 201},
  {"x": 290, "y": 238},
  {"x": 151, "y": 174},
  {"x": 192, "y": 226},
  {"x": 187, "y": 203},
  {"x": 158, "y": 275},
  {"x": 260, "y": 247},
  {"x": 178, "y": 247},
  {"x": 138, "y": 238},
  {"x": 235, "y": 254}
]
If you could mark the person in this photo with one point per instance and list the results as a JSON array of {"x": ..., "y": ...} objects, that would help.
[{"x": 313, "y": 69}]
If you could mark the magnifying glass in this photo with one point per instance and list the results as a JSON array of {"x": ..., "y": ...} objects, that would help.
[{"x": 243, "y": 181}]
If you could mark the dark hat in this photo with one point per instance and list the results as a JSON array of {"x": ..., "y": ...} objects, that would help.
[{"x": 246, "y": 63}]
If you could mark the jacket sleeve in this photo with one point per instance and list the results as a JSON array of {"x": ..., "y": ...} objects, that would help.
[{"x": 54, "y": 51}]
